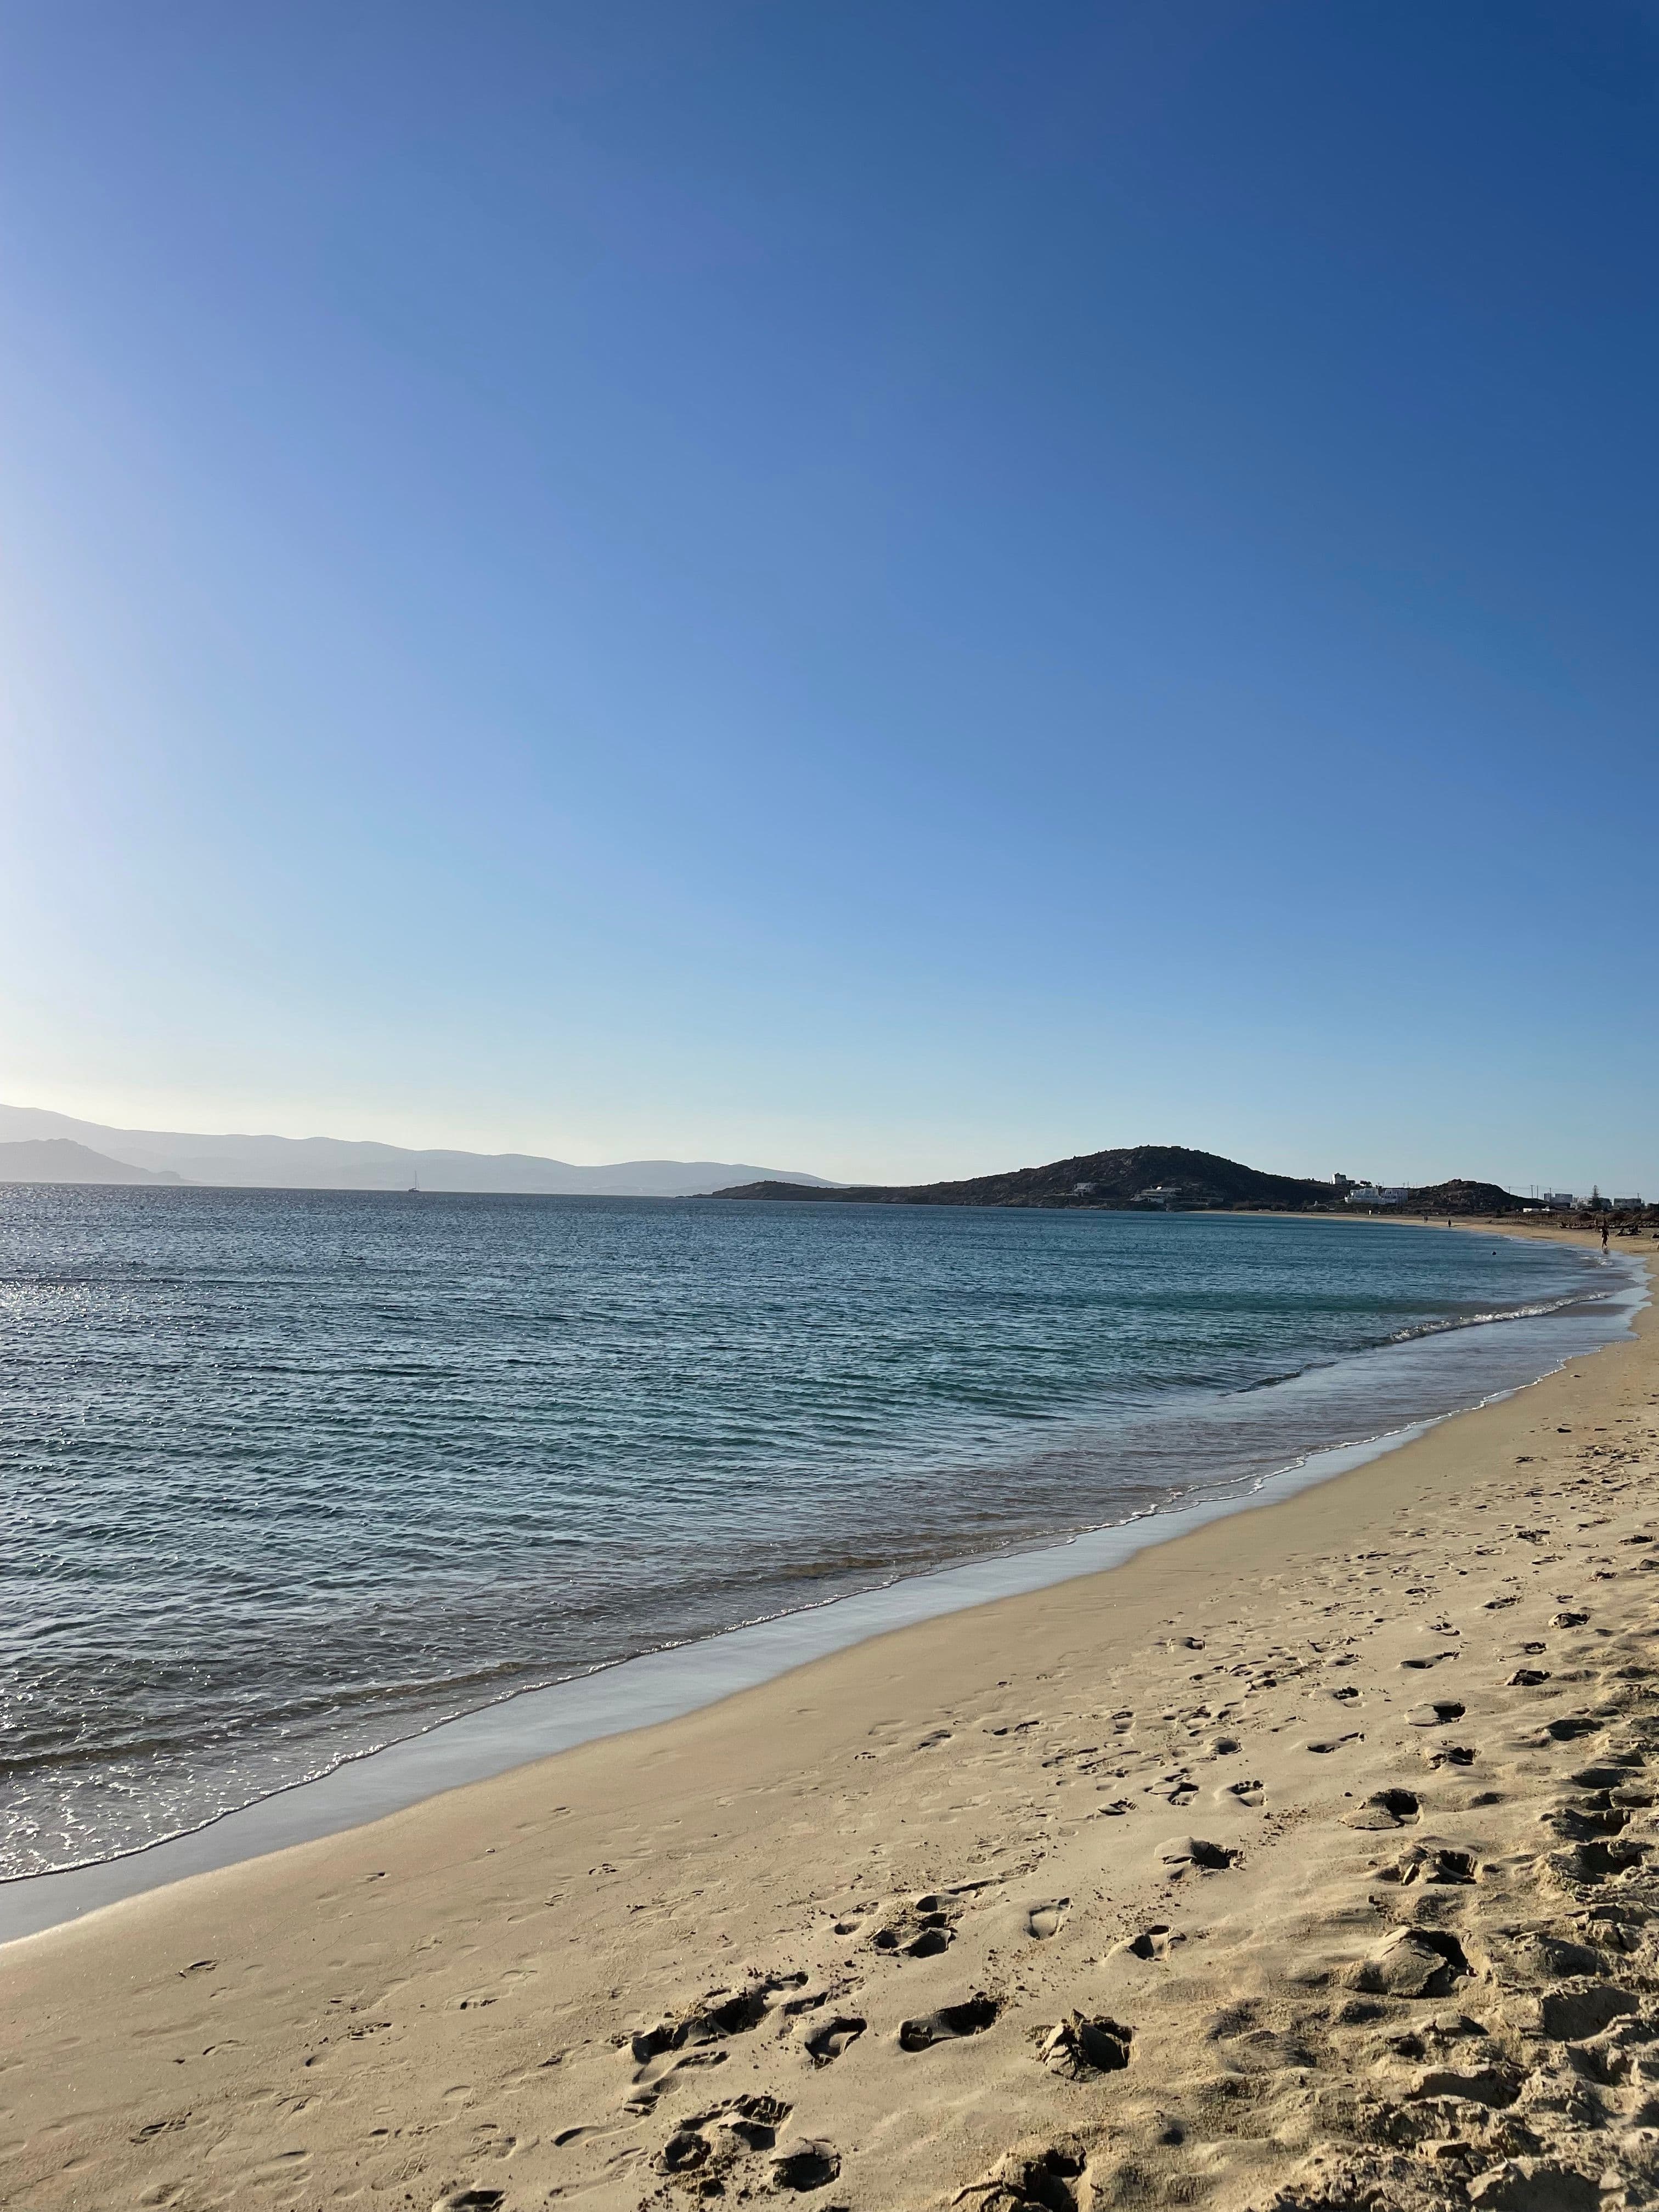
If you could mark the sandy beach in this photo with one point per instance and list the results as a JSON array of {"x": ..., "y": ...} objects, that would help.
[{"x": 1304, "y": 1860}]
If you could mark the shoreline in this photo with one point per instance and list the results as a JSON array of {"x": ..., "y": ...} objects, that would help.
[
  {"x": 667, "y": 1683},
  {"x": 628, "y": 1695},
  {"x": 1315, "y": 1822}
]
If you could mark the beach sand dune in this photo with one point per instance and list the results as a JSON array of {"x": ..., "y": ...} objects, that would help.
[{"x": 1307, "y": 1861}]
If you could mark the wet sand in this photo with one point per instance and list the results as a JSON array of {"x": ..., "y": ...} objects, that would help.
[{"x": 1302, "y": 1861}]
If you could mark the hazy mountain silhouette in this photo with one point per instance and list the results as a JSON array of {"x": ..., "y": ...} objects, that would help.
[
  {"x": 338, "y": 1163},
  {"x": 60, "y": 1159}
]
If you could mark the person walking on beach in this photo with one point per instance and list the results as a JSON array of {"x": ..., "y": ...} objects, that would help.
[{"x": 1604, "y": 1236}]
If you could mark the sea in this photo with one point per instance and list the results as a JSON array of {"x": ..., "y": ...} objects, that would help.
[{"x": 288, "y": 1477}]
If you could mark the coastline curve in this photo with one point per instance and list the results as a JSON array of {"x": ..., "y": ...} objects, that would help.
[{"x": 529, "y": 1725}]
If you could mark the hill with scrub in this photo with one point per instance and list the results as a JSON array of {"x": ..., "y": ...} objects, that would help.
[{"x": 1138, "y": 1176}]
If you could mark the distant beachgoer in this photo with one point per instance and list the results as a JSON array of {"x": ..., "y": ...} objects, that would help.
[{"x": 1604, "y": 1236}]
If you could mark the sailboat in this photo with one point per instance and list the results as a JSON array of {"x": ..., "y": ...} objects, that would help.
[{"x": 415, "y": 1187}]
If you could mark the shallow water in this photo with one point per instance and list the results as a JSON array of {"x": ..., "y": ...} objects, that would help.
[{"x": 289, "y": 1475}]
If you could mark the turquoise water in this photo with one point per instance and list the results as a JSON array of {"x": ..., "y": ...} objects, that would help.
[{"x": 289, "y": 1475}]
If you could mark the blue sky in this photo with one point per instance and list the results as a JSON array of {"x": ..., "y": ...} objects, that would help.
[{"x": 890, "y": 589}]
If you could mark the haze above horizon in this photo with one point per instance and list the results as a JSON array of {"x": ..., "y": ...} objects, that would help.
[{"x": 902, "y": 591}]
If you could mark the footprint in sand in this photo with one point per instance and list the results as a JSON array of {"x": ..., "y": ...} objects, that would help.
[
  {"x": 153, "y": 2128},
  {"x": 914, "y": 1931},
  {"x": 951, "y": 2022},
  {"x": 1386, "y": 1809},
  {"x": 804, "y": 2000},
  {"x": 652, "y": 2080},
  {"x": 1180, "y": 1852},
  {"x": 1587, "y": 1864},
  {"x": 1571, "y": 1726},
  {"x": 1046, "y": 1919},
  {"x": 1574, "y": 2015},
  {"x": 1240, "y": 1793},
  {"x": 1048, "y": 2176},
  {"x": 921, "y": 1927},
  {"x": 1153, "y": 1942},
  {"x": 1613, "y": 1774},
  {"x": 951, "y": 1900},
  {"x": 1591, "y": 1817},
  {"x": 1413, "y": 1962},
  {"x": 712, "y": 2141},
  {"x": 806, "y": 2164},
  {"x": 1441, "y": 1714},
  {"x": 826, "y": 2039},
  {"x": 1431, "y": 1861},
  {"x": 721, "y": 2013},
  {"x": 1081, "y": 2045}
]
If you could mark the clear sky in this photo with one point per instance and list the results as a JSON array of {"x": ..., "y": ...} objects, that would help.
[{"x": 890, "y": 589}]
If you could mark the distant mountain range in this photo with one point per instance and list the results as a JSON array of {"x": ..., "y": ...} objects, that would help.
[
  {"x": 1138, "y": 1175},
  {"x": 60, "y": 1159},
  {"x": 38, "y": 1146}
]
